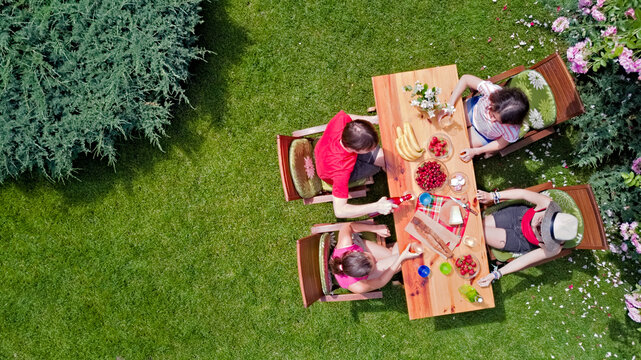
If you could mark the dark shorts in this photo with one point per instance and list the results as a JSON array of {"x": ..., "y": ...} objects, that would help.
[
  {"x": 364, "y": 166},
  {"x": 509, "y": 219}
]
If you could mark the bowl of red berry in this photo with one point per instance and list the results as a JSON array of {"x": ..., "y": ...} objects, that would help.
[
  {"x": 431, "y": 175},
  {"x": 440, "y": 146},
  {"x": 467, "y": 266}
]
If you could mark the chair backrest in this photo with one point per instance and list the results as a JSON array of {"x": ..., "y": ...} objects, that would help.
[
  {"x": 568, "y": 101},
  {"x": 283, "y": 143},
  {"x": 308, "y": 269}
]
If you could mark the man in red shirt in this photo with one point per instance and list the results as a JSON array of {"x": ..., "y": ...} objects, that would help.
[{"x": 349, "y": 151}]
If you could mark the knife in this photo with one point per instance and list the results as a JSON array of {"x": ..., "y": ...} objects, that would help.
[{"x": 464, "y": 206}]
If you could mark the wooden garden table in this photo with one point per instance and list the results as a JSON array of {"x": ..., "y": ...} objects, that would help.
[{"x": 439, "y": 294}]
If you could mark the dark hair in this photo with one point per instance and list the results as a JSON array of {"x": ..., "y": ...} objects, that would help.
[
  {"x": 511, "y": 104},
  {"x": 359, "y": 135},
  {"x": 352, "y": 263}
]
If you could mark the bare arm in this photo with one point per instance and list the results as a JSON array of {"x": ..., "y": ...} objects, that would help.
[
  {"x": 346, "y": 231},
  {"x": 541, "y": 201},
  {"x": 344, "y": 210},
  {"x": 367, "y": 285},
  {"x": 371, "y": 118},
  {"x": 466, "y": 81},
  {"x": 496, "y": 145}
]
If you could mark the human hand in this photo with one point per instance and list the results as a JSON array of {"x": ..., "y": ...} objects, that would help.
[
  {"x": 486, "y": 280},
  {"x": 468, "y": 153},
  {"x": 484, "y": 197},
  {"x": 382, "y": 230},
  {"x": 408, "y": 254},
  {"x": 384, "y": 206}
]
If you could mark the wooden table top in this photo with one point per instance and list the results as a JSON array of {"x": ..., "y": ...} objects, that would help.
[{"x": 439, "y": 294}]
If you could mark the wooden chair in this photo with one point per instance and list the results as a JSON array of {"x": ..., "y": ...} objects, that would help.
[
  {"x": 283, "y": 142},
  {"x": 567, "y": 99},
  {"x": 593, "y": 232},
  {"x": 309, "y": 271}
]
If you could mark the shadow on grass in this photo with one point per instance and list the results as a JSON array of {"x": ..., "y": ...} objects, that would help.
[
  {"x": 516, "y": 172},
  {"x": 625, "y": 334},
  {"x": 206, "y": 90},
  {"x": 393, "y": 300}
]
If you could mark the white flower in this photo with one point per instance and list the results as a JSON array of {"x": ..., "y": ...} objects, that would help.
[
  {"x": 415, "y": 103},
  {"x": 419, "y": 87},
  {"x": 429, "y": 93},
  {"x": 537, "y": 81},
  {"x": 424, "y": 104},
  {"x": 536, "y": 119},
  {"x": 430, "y": 113},
  {"x": 437, "y": 91}
]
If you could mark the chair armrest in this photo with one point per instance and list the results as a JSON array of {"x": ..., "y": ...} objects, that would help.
[
  {"x": 506, "y": 74},
  {"x": 323, "y": 228},
  {"x": 310, "y": 131}
]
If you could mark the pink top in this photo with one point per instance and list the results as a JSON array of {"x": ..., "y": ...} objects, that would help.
[
  {"x": 334, "y": 164},
  {"x": 481, "y": 118},
  {"x": 345, "y": 280}
]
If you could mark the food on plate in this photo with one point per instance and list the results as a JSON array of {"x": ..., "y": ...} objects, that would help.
[
  {"x": 430, "y": 175},
  {"x": 439, "y": 146},
  {"x": 455, "y": 216},
  {"x": 466, "y": 266}
]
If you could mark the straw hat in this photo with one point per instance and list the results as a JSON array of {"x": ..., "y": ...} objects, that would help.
[{"x": 557, "y": 227}]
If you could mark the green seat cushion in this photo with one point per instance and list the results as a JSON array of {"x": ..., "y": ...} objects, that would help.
[
  {"x": 542, "y": 105},
  {"x": 303, "y": 170},
  {"x": 327, "y": 187},
  {"x": 324, "y": 248},
  {"x": 567, "y": 205}
]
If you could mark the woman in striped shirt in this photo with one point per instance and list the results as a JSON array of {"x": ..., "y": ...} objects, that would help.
[{"x": 495, "y": 115}]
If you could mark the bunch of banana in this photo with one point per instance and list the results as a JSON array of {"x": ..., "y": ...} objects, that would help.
[{"x": 406, "y": 143}]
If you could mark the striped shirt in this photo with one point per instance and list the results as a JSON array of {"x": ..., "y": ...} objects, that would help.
[{"x": 481, "y": 117}]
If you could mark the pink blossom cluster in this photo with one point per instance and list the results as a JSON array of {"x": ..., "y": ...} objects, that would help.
[
  {"x": 629, "y": 63},
  {"x": 587, "y": 9},
  {"x": 629, "y": 233},
  {"x": 609, "y": 31},
  {"x": 636, "y": 166},
  {"x": 576, "y": 56},
  {"x": 633, "y": 304},
  {"x": 560, "y": 24},
  {"x": 630, "y": 13}
]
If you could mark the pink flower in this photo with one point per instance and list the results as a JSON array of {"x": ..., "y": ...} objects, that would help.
[
  {"x": 634, "y": 315},
  {"x": 584, "y": 3},
  {"x": 505, "y": 7},
  {"x": 615, "y": 249},
  {"x": 597, "y": 15},
  {"x": 630, "y": 13},
  {"x": 633, "y": 300},
  {"x": 609, "y": 31},
  {"x": 560, "y": 24},
  {"x": 627, "y": 62},
  {"x": 558, "y": 8},
  {"x": 576, "y": 57},
  {"x": 599, "y": 3},
  {"x": 624, "y": 247},
  {"x": 571, "y": 287},
  {"x": 636, "y": 166}
]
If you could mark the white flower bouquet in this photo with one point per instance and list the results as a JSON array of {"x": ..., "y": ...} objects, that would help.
[{"x": 425, "y": 98}]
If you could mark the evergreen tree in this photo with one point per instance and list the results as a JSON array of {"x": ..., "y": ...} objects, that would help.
[{"x": 76, "y": 75}]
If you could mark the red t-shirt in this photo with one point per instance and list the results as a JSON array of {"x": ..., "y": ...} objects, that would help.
[{"x": 334, "y": 164}]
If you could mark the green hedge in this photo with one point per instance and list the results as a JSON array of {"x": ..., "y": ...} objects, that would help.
[{"x": 77, "y": 75}]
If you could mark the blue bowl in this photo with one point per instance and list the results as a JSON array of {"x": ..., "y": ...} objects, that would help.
[
  {"x": 425, "y": 199},
  {"x": 424, "y": 271}
]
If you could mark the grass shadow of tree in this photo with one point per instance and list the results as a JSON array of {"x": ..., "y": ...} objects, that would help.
[{"x": 206, "y": 90}]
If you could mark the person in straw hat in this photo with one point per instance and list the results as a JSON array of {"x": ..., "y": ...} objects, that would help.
[{"x": 538, "y": 231}]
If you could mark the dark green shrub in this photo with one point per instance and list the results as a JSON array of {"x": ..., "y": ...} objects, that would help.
[{"x": 77, "y": 75}]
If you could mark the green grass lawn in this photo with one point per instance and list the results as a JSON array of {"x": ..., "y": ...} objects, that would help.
[{"x": 190, "y": 252}]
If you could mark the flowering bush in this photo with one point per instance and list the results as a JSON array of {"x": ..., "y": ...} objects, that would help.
[
  {"x": 425, "y": 98},
  {"x": 606, "y": 30}
]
